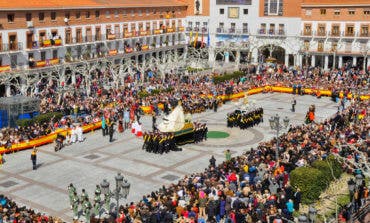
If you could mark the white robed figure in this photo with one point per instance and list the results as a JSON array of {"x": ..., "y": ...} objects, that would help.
[
  {"x": 173, "y": 122},
  {"x": 79, "y": 133},
  {"x": 73, "y": 134},
  {"x": 134, "y": 127}
]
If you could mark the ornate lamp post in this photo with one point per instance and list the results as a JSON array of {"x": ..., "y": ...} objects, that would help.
[
  {"x": 312, "y": 213},
  {"x": 122, "y": 190},
  {"x": 302, "y": 219},
  {"x": 277, "y": 126}
]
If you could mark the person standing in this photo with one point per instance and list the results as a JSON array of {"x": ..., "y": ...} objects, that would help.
[
  {"x": 294, "y": 102},
  {"x": 71, "y": 192},
  {"x": 228, "y": 155},
  {"x": 103, "y": 125},
  {"x": 297, "y": 199},
  {"x": 111, "y": 131},
  {"x": 212, "y": 162},
  {"x": 34, "y": 158},
  {"x": 154, "y": 120}
]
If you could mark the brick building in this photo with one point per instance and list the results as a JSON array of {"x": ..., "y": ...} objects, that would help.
[{"x": 36, "y": 35}]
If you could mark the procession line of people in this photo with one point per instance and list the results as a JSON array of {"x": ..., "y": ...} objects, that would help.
[{"x": 244, "y": 120}]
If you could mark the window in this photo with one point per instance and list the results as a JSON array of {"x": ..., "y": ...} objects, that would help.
[
  {"x": 323, "y": 11},
  {"x": 366, "y": 12},
  {"x": 221, "y": 25},
  {"x": 140, "y": 13},
  {"x": 245, "y": 11},
  {"x": 116, "y": 13},
  {"x": 245, "y": 27},
  {"x": 222, "y": 11},
  {"x": 78, "y": 15},
  {"x": 41, "y": 16},
  {"x": 53, "y": 16},
  {"x": 205, "y": 23},
  {"x": 308, "y": 12},
  {"x": 364, "y": 30},
  {"x": 132, "y": 13},
  {"x": 273, "y": 7},
  {"x": 351, "y": 12},
  {"x": 87, "y": 14},
  {"x": 147, "y": 11},
  {"x": 335, "y": 30},
  {"x": 197, "y": 24},
  {"x": 55, "y": 54},
  {"x": 28, "y": 17},
  {"x": 190, "y": 24},
  {"x": 97, "y": 14},
  {"x": 107, "y": 14},
  {"x": 337, "y": 12},
  {"x": 67, "y": 15},
  {"x": 11, "y": 18},
  {"x": 124, "y": 13}
]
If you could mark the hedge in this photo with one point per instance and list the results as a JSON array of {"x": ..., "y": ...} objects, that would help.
[
  {"x": 314, "y": 180},
  {"x": 144, "y": 93},
  {"x": 310, "y": 181},
  {"x": 43, "y": 118},
  {"x": 325, "y": 167},
  {"x": 226, "y": 77}
]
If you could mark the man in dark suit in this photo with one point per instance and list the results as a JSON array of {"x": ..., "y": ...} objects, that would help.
[
  {"x": 297, "y": 199},
  {"x": 34, "y": 158},
  {"x": 111, "y": 131}
]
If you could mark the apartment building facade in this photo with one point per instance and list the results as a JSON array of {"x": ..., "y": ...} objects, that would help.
[
  {"x": 297, "y": 32},
  {"x": 336, "y": 33},
  {"x": 45, "y": 34}
]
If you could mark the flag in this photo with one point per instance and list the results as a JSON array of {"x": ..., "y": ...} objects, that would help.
[
  {"x": 196, "y": 39},
  {"x": 201, "y": 45},
  {"x": 208, "y": 39},
  {"x": 190, "y": 37}
]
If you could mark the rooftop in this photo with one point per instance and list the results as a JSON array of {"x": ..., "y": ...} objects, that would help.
[{"x": 84, "y": 4}]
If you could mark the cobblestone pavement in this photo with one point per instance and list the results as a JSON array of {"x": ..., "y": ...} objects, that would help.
[{"x": 87, "y": 164}]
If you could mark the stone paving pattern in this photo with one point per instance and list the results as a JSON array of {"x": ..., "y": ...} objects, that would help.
[{"x": 87, "y": 164}]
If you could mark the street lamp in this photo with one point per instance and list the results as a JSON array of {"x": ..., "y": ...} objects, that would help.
[
  {"x": 351, "y": 187},
  {"x": 312, "y": 213},
  {"x": 359, "y": 179},
  {"x": 276, "y": 125},
  {"x": 302, "y": 219},
  {"x": 122, "y": 189}
]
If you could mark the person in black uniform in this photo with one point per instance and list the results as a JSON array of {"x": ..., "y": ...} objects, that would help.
[{"x": 111, "y": 130}]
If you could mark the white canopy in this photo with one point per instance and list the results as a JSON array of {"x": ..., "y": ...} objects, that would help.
[{"x": 175, "y": 121}]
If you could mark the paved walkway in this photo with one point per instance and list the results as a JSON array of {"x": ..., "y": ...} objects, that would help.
[{"x": 87, "y": 164}]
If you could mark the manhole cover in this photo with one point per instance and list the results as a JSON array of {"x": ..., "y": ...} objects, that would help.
[
  {"x": 170, "y": 177},
  {"x": 217, "y": 134},
  {"x": 8, "y": 184},
  {"x": 91, "y": 157}
]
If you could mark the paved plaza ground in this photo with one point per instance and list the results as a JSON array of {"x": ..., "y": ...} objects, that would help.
[{"x": 87, "y": 164}]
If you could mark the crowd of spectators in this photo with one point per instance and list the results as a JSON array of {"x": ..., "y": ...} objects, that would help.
[
  {"x": 190, "y": 89},
  {"x": 248, "y": 188},
  {"x": 10, "y": 212}
]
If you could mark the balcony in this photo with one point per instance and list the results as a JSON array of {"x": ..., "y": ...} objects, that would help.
[
  {"x": 321, "y": 33},
  {"x": 350, "y": 34},
  {"x": 43, "y": 63},
  {"x": 245, "y": 31},
  {"x": 144, "y": 33},
  {"x": 196, "y": 29},
  {"x": 232, "y": 30},
  {"x": 220, "y": 30},
  {"x": 364, "y": 35},
  {"x": 157, "y": 31},
  {"x": 8, "y": 47},
  {"x": 306, "y": 33},
  {"x": 271, "y": 32},
  {"x": 188, "y": 29},
  {"x": 5, "y": 68},
  {"x": 334, "y": 34},
  {"x": 261, "y": 31},
  {"x": 170, "y": 30},
  {"x": 204, "y": 29},
  {"x": 181, "y": 29}
]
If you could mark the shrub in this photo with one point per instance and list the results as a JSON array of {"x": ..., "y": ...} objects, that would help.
[
  {"x": 310, "y": 181},
  {"x": 43, "y": 118},
  {"x": 24, "y": 122},
  {"x": 327, "y": 166},
  {"x": 226, "y": 77}
]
